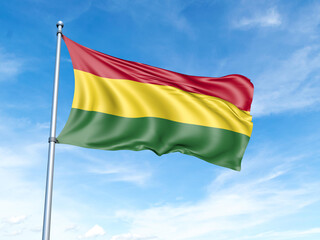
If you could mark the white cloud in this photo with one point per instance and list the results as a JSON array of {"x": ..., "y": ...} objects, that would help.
[
  {"x": 10, "y": 66},
  {"x": 284, "y": 235},
  {"x": 304, "y": 24},
  {"x": 17, "y": 219},
  {"x": 130, "y": 236},
  {"x": 19, "y": 193},
  {"x": 269, "y": 18},
  {"x": 119, "y": 171},
  {"x": 28, "y": 155},
  {"x": 124, "y": 174},
  {"x": 36, "y": 229},
  {"x": 22, "y": 183},
  {"x": 78, "y": 9},
  {"x": 50, "y": 14},
  {"x": 13, "y": 233},
  {"x": 164, "y": 11},
  {"x": 233, "y": 204},
  {"x": 45, "y": 125},
  {"x": 95, "y": 231},
  {"x": 289, "y": 84},
  {"x": 71, "y": 227}
]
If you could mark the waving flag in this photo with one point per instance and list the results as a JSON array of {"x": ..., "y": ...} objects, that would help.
[{"x": 121, "y": 104}]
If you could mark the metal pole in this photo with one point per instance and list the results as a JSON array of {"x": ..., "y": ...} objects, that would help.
[{"x": 52, "y": 141}]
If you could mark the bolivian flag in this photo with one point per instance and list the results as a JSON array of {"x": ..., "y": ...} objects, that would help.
[{"x": 120, "y": 104}]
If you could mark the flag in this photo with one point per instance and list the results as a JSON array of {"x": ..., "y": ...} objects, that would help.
[{"x": 121, "y": 104}]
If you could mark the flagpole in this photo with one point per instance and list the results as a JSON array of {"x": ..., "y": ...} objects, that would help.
[{"x": 52, "y": 142}]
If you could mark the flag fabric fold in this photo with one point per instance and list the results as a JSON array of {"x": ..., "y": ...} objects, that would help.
[{"x": 121, "y": 104}]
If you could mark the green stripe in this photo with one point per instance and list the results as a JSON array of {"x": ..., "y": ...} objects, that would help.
[{"x": 104, "y": 131}]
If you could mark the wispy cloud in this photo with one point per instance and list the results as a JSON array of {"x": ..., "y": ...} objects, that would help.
[
  {"x": 49, "y": 13},
  {"x": 22, "y": 177},
  {"x": 119, "y": 171},
  {"x": 30, "y": 153},
  {"x": 285, "y": 235},
  {"x": 20, "y": 195},
  {"x": 267, "y": 18},
  {"x": 36, "y": 229},
  {"x": 289, "y": 84},
  {"x": 93, "y": 232},
  {"x": 13, "y": 233},
  {"x": 164, "y": 11},
  {"x": 72, "y": 227},
  {"x": 10, "y": 66},
  {"x": 78, "y": 9},
  {"x": 232, "y": 204},
  {"x": 17, "y": 219},
  {"x": 130, "y": 236},
  {"x": 304, "y": 24},
  {"x": 123, "y": 174}
]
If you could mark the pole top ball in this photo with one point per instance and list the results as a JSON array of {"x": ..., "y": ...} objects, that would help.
[{"x": 60, "y": 23}]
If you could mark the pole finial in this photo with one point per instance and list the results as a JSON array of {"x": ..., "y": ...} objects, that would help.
[
  {"x": 59, "y": 26},
  {"x": 60, "y": 23}
]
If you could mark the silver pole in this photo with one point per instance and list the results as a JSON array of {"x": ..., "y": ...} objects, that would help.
[{"x": 52, "y": 141}]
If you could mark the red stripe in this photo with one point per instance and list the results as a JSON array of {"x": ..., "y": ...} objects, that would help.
[{"x": 235, "y": 88}]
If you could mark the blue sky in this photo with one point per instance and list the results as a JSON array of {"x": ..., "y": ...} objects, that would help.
[{"x": 127, "y": 195}]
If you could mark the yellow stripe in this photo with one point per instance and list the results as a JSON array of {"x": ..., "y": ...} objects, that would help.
[{"x": 133, "y": 99}]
